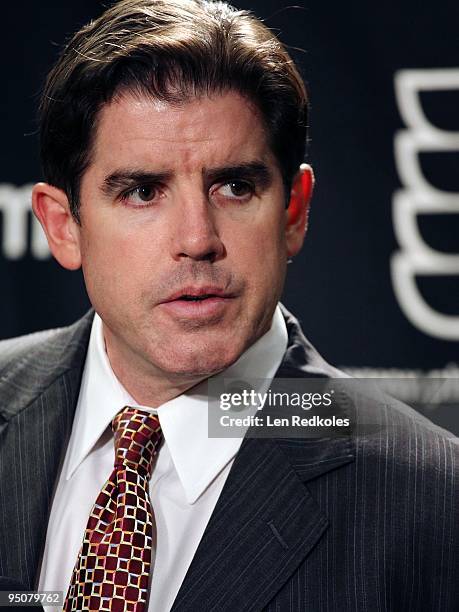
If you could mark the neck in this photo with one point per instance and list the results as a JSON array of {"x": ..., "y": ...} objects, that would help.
[{"x": 147, "y": 384}]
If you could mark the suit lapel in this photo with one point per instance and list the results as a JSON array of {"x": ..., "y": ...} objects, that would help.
[
  {"x": 265, "y": 522},
  {"x": 263, "y": 525},
  {"x": 41, "y": 392}
]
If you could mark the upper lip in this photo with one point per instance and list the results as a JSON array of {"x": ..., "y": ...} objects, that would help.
[{"x": 197, "y": 292}]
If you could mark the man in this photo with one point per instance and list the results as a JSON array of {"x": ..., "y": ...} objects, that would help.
[{"x": 173, "y": 136}]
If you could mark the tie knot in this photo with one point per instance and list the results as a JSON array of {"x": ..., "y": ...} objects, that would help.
[{"x": 137, "y": 439}]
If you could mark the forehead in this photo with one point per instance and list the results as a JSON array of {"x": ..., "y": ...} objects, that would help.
[{"x": 204, "y": 131}]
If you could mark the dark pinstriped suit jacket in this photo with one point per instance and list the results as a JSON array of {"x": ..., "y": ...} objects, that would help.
[{"x": 355, "y": 524}]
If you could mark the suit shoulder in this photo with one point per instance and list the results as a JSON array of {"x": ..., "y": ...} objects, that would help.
[
  {"x": 389, "y": 415},
  {"x": 404, "y": 440},
  {"x": 30, "y": 363},
  {"x": 44, "y": 344},
  {"x": 23, "y": 347}
]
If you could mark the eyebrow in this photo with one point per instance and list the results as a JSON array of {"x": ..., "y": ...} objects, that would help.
[
  {"x": 124, "y": 179},
  {"x": 256, "y": 171}
]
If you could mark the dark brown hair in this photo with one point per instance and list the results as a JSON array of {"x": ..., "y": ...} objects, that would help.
[{"x": 170, "y": 50}]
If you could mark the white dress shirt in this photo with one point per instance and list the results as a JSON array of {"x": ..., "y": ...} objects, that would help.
[{"x": 187, "y": 479}]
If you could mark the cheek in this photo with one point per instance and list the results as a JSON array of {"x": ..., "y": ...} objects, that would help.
[
  {"x": 113, "y": 243},
  {"x": 111, "y": 267},
  {"x": 260, "y": 250}
]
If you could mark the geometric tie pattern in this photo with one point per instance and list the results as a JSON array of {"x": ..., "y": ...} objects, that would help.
[{"x": 113, "y": 566}]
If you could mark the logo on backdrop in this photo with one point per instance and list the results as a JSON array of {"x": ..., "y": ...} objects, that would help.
[
  {"x": 19, "y": 223},
  {"x": 419, "y": 196}
]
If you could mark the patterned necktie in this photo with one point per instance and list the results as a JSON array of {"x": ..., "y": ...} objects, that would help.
[{"x": 113, "y": 566}]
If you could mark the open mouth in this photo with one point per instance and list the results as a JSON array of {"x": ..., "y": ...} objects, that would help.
[
  {"x": 196, "y": 298},
  {"x": 198, "y": 303}
]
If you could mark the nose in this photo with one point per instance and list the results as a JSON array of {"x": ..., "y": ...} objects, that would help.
[{"x": 196, "y": 235}]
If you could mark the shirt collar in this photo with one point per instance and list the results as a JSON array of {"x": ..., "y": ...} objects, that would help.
[{"x": 197, "y": 458}]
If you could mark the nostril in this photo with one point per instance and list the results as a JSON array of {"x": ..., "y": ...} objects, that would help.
[{"x": 212, "y": 256}]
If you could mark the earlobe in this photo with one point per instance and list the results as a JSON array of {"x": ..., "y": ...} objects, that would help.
[
  {"x": 298, "y": 209},
  {"x": 51, "y": 207}
]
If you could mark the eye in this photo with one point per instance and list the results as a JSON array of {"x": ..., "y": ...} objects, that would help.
[
  {"x": 141, "y": 196},
  {"x": 237, "y": 190}
]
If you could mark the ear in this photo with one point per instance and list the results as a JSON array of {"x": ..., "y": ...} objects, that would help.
[
  {"x": 298, "y": 209},
  {"x": 51, "y": 207}
]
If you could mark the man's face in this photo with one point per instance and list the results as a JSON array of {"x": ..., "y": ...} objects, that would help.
[{"x": 182, "y": 236}]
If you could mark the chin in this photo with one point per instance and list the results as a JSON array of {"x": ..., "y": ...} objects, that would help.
[{"x": 200, "y": 364}]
